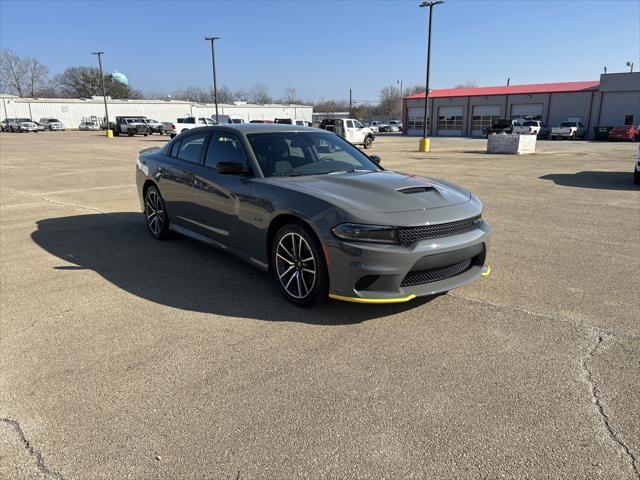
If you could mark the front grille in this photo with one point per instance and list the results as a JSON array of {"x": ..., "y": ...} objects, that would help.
[
  {"x": 435, "y": 274},
  {"x": 409, "y": 235}
]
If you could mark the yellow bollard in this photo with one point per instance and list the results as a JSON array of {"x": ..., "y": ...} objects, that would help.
[
  {"x": 425, "y": 145},
  {"x": 109, "y": 133}
]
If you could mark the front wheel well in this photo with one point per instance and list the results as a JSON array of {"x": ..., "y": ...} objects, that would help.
[
  {"x": 280, "y": 221},
  {"x": 146, "y": 186}
]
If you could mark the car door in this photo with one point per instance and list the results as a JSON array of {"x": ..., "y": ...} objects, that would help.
[
  {"x": 220, "y": 200},
  {"x": 177, "y": 177},
  {"x": 358, "y": 133}
]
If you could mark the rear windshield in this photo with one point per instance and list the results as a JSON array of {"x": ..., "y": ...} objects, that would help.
[
  {"x": 568, "y": 124},
  {"x": 530, "y": 124}
]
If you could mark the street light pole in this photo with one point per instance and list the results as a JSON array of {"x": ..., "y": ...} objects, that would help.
[
  {"x": 109, "y": 133},
  {"x": 213, "y": 63},
  {"x": 630, "y": 65},
  {"x": 401, "y": 102},
  {"x": 424, "y": 142}
]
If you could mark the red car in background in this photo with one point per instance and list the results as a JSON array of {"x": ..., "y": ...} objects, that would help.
[{"x": 626, "y": 133}]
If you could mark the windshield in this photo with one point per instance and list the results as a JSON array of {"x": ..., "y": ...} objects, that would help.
[
  {"x": 307, "y": 153},
  {"x": 568, "y": 124},
  {"x": 23, "y": 120}
]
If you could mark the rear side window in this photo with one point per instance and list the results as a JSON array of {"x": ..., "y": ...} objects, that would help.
[
  {"x": 173, "y": 150},
  {"x": 224, "y": 147},
  {"x": 190, "y": 149}
]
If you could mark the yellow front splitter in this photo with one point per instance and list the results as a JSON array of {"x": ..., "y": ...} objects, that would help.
[
  {"x": 486, "y": 271},
  {"x": 372, "y": 300}
]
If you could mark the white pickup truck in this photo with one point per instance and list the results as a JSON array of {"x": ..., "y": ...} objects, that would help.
[
  {"x": 349, "y": 129},
  {"x": 528, "y": 127},
  {"x": 186, "y": 123},
  {"x": 570, "y": 130}
]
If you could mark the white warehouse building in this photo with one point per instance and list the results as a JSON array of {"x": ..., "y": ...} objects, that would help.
[{"x": 71, "y": 112}]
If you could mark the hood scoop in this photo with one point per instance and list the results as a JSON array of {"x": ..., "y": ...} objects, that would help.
[{"x": 416, "y": 189}]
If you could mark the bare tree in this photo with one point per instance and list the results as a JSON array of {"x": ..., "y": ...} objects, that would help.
[
  {"x": 84, "y": 82},
  {"x": 390, "y": 101},
  {"x": 290, "y": 96},
  {"x": 259, "y": 94},
  {"x": 225, "y": 95},
  {"x": 23, "y": 76},
  {"x": 241, "y": 95},
  {"x": 467, "y": 84}
]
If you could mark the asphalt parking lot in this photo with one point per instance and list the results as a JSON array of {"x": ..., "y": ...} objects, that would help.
[{"x": 124, "y": 357}]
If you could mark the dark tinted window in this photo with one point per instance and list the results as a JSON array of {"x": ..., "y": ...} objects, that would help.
[
  {"x": 191, "y": 148},
  {"x": 173, "y": 150},
  {"x": 224, "y": 147}
]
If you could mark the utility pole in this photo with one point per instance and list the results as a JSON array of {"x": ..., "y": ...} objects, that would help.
[
  {"x": 350, "y": 103},
  {"x": 424, "y": 145},
  {"x": 630, "y": 65},
  {"x": 109, "y": 133},
  {"x": 213, "y": 63}
]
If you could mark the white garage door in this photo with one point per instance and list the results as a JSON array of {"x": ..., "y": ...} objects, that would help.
[
  {"x": 483, "y": 115},
  {"x": 530, "y": 111},
  {"x": 450, "y": 121}
]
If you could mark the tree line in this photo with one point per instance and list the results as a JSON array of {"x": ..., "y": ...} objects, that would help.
[{"x": 28, "y": 77}]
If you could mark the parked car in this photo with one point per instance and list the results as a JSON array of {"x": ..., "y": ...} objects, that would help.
[
  {"x": 570, "y": 130},
  {"x": 291, "y": 121},
  {"x": 169, "y": 128},
  {"x": 22, "y": 125},
  {"x": 187, "y": 123},
  {"x": 349, "y": 129},
  {"x": 88, "y": 126},
  {"x": 52, "y": 124},
  {"x": 324, "y": 218},
  {"x": 40, "y": 126},
  {"x": 154, "y": 126},
  {"x": 625, "y": 133},
  {"x": 375, "y": 125},
  {"x": 236, "y": 119},
  {"x": 499, "y": 125},
  {"x": 261, "y": 121},
  {"x": 4, "y": 125},
  {"x": 131, "y": 126},
  {"x": 636, "y": 172},
  {"x": 395, "y": 123}
]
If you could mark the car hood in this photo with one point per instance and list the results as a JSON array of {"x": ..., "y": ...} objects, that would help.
[{"x": 384, "y": 192}]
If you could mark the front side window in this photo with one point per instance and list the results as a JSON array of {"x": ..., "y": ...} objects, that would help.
[
  {"x": 349, "y": 124},
  {"x": 306, "y": 153},
  {"x": 191, "y": 148},
  {"x": 224, "y": 147}
]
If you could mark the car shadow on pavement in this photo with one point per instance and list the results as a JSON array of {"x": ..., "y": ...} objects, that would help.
[
  {"x": 184, "y": 274},
  {"x": 596, "y": 180}
]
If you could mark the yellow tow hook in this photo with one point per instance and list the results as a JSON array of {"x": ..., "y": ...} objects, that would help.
[{"x": 486, "y": 271}]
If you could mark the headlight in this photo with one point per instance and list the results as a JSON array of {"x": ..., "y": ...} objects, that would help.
[{"x": 366, "y": 233}]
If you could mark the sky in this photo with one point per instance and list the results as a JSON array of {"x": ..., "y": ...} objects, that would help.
[{"x": 323, "y": 48}]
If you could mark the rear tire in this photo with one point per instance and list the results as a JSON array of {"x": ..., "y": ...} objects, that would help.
[
  {"x": 155, "y": 214},
  {"x": 636, "y": 177},
  {"x": 298, "y": 265}
]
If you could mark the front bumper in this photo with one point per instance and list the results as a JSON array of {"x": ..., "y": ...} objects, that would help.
[{"x": 377, "y": 273}]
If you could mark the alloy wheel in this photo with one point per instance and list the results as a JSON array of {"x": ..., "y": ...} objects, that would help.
[
  {"x": 295, "y": 265},
  {"x": 155, "y": 212}
]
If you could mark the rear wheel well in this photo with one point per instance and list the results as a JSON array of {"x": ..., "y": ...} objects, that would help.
[{"x": 280, "y": 221}]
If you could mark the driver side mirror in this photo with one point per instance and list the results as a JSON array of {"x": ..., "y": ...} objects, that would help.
[
  {"x": 231, "y": 168},
  {"x": 375, "y": 159}
]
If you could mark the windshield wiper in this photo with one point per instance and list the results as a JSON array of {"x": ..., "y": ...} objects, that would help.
[{"x": 352, "y": 170}]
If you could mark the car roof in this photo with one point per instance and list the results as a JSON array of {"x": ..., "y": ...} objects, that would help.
[{"x": 248, "y": 128}]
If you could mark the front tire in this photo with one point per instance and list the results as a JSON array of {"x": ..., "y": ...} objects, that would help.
[
  {"x": 636, "y": 177},
  {"x": 298, "y": 265},
  {"x": 155, "y": 214},
  {"x": 368, "y": 141}
]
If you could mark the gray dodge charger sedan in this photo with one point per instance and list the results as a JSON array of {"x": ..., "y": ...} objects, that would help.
[{"x": 323, "y": 217}]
